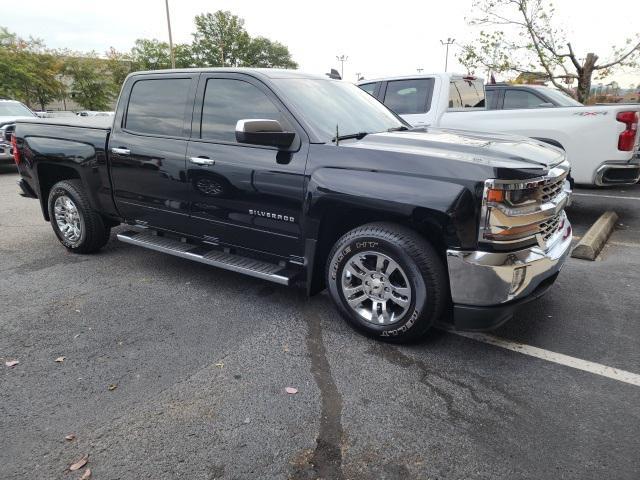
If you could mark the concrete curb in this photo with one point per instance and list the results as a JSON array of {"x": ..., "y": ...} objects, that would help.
[{"x": 592, "y": 242}]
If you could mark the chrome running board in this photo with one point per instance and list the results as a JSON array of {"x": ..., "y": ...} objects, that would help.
[{"x": 207, "y": 255}]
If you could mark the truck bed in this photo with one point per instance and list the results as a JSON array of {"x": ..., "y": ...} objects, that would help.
[
  {"x": 99, "y": 123},
  {"x": 54, "y": 147}
]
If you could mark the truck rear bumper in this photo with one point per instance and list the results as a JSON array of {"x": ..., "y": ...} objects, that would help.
[
  {"x": 487, "y": 287},
  {"x": 611, "y": 173}
]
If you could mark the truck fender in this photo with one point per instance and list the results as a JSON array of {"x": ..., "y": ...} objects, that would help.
[
  {"x": 338, "y": 200},
  {"x": 57, "y": 159}
]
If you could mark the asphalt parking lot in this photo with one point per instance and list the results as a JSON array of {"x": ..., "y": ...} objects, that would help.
[{"x": 199, "y": 359}]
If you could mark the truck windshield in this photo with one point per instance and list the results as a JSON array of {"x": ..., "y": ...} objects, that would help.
[
  {"x": 561, "y": 98},
  {"x": 14, "y": 109},
  {"x": 327, "y": 103}
]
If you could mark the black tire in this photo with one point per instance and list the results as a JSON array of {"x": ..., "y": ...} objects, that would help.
[
  {"x": 423, "y": 270},
  {"x": 94, "y": 231}
]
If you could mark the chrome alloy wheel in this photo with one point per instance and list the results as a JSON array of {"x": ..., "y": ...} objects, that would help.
[
  {"x": 376, "y": 288},
  {"x": 67, "y": 218}
]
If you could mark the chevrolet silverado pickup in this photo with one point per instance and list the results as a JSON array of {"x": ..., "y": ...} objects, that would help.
[
  {"x": 305, "y": 180},
  {"x": 601, "y": 142}
]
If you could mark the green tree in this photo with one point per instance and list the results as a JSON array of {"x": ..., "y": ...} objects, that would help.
[
  {"x": 119, "y": 66},
  {"x": 28, "y": 71},
  {"x": 220, "y": 39},
  {"x": 91, "y": 86},
  {"x": 184, "y": 56},
  {"x": 45, "y": 83},
  {"x": 150, "y": 54},
  {"x": 262, "y": 52},
  {"x": 520, "y": 36}
]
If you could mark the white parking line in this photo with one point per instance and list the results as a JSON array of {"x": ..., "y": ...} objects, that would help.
[
  {"x": 619, "y": 197},
  {"x": 591, "y": 367}
]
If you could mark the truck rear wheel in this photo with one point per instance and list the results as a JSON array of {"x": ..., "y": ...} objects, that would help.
[
  {"x": 387, "y": 281},
  {"x": 78, "y": 226}
]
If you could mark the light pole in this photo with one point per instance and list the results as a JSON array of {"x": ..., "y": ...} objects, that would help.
[
  {"x": 173, "y": 59},
  {"x": 342, "y": 58},
  {"x": 419, "y": 70},
  {"x": 449, "y": 41}
]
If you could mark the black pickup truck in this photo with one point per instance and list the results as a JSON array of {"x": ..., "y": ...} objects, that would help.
[{"x": 306, "y": 180}]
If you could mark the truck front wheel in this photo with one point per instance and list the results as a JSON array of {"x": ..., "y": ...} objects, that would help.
[
  {"x": 78, "y": 226},
  {"x": 387, "y": 281}
]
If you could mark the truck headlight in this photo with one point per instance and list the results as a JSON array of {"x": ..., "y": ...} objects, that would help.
[{"x": 516, "y": 211}]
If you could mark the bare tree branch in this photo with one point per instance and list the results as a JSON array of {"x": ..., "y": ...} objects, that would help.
[{"x": 636, "y": 48}]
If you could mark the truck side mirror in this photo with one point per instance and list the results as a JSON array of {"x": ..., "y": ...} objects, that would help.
[{"x": 260, "y": 131}]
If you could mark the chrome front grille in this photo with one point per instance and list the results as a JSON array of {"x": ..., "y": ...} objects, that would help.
[
  {"x": 552, "y": 189},
  {"x": 550, "y": 227}
]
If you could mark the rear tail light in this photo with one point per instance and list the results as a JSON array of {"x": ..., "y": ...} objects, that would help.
[
  {"x": 627, "y": 139},
  {"x": 14, "y": 147}
]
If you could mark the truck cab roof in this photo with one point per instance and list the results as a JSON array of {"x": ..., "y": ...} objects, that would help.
[{"x": 271, "y": 73}]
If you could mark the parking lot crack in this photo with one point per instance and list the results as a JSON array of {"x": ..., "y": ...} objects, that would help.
[
  {"x": 326, "y": 459},
  {"x": 396, "y": 357}
]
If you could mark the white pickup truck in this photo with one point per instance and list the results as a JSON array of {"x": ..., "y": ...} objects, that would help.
[{"x": 601, "y": 142}]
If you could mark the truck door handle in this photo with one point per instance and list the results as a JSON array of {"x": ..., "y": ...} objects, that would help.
[
  {"x": 202, "y": 161},
  {"x": 121, "y": 151}
]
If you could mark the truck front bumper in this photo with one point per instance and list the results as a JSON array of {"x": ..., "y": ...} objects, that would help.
[
  {"x": 6, "y": 155},
  {"x": 487, "y": 287}
]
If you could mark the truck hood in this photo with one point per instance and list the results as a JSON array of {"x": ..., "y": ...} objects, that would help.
[{"x": 493, "y": 150}]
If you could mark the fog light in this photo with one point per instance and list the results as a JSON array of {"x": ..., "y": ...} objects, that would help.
[{"x": 519, "y": 275}]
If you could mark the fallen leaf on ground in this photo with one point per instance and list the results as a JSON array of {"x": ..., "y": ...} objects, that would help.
[
  {"x": 112, "y": 387},
  {"x": 70, "y": 437},
  {"x": 79, "y": 464},
  {"x": 11, "y": 363},
  {"x": 60, "y": 359},
  {"x": 220, "y": 365},
  {"x": 86, "y": 474},
  {"x": 291, "y": 390}
]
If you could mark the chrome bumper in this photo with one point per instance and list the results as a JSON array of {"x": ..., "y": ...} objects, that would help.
[
  {"x": 484, "y": 279},
  {"x": 611, "y": 173},
  {"x": 6, "y": 155}
]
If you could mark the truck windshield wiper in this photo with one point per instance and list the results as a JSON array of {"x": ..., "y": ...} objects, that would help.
[
  {"x": 359, "y": 136},
  {"x": 398, "y": 129}
]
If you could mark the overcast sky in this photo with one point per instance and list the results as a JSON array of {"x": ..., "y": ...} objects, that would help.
[{"x": 379, "y": 38}]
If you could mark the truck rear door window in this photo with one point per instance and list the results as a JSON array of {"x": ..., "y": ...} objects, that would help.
[
  {"x": 226, "y": 101},
  {"x": 465, "y": 93},
  {"x": 158, "y": 106},
  {"x": 409, "y": 96}
]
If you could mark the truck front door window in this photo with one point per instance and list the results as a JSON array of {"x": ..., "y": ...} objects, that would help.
[
  {"x": 409, "y": 96},
  {"x": 226, "y": 101},
  {"x": 514, "y": 99},
  {"x": 158, "y": 106}
]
